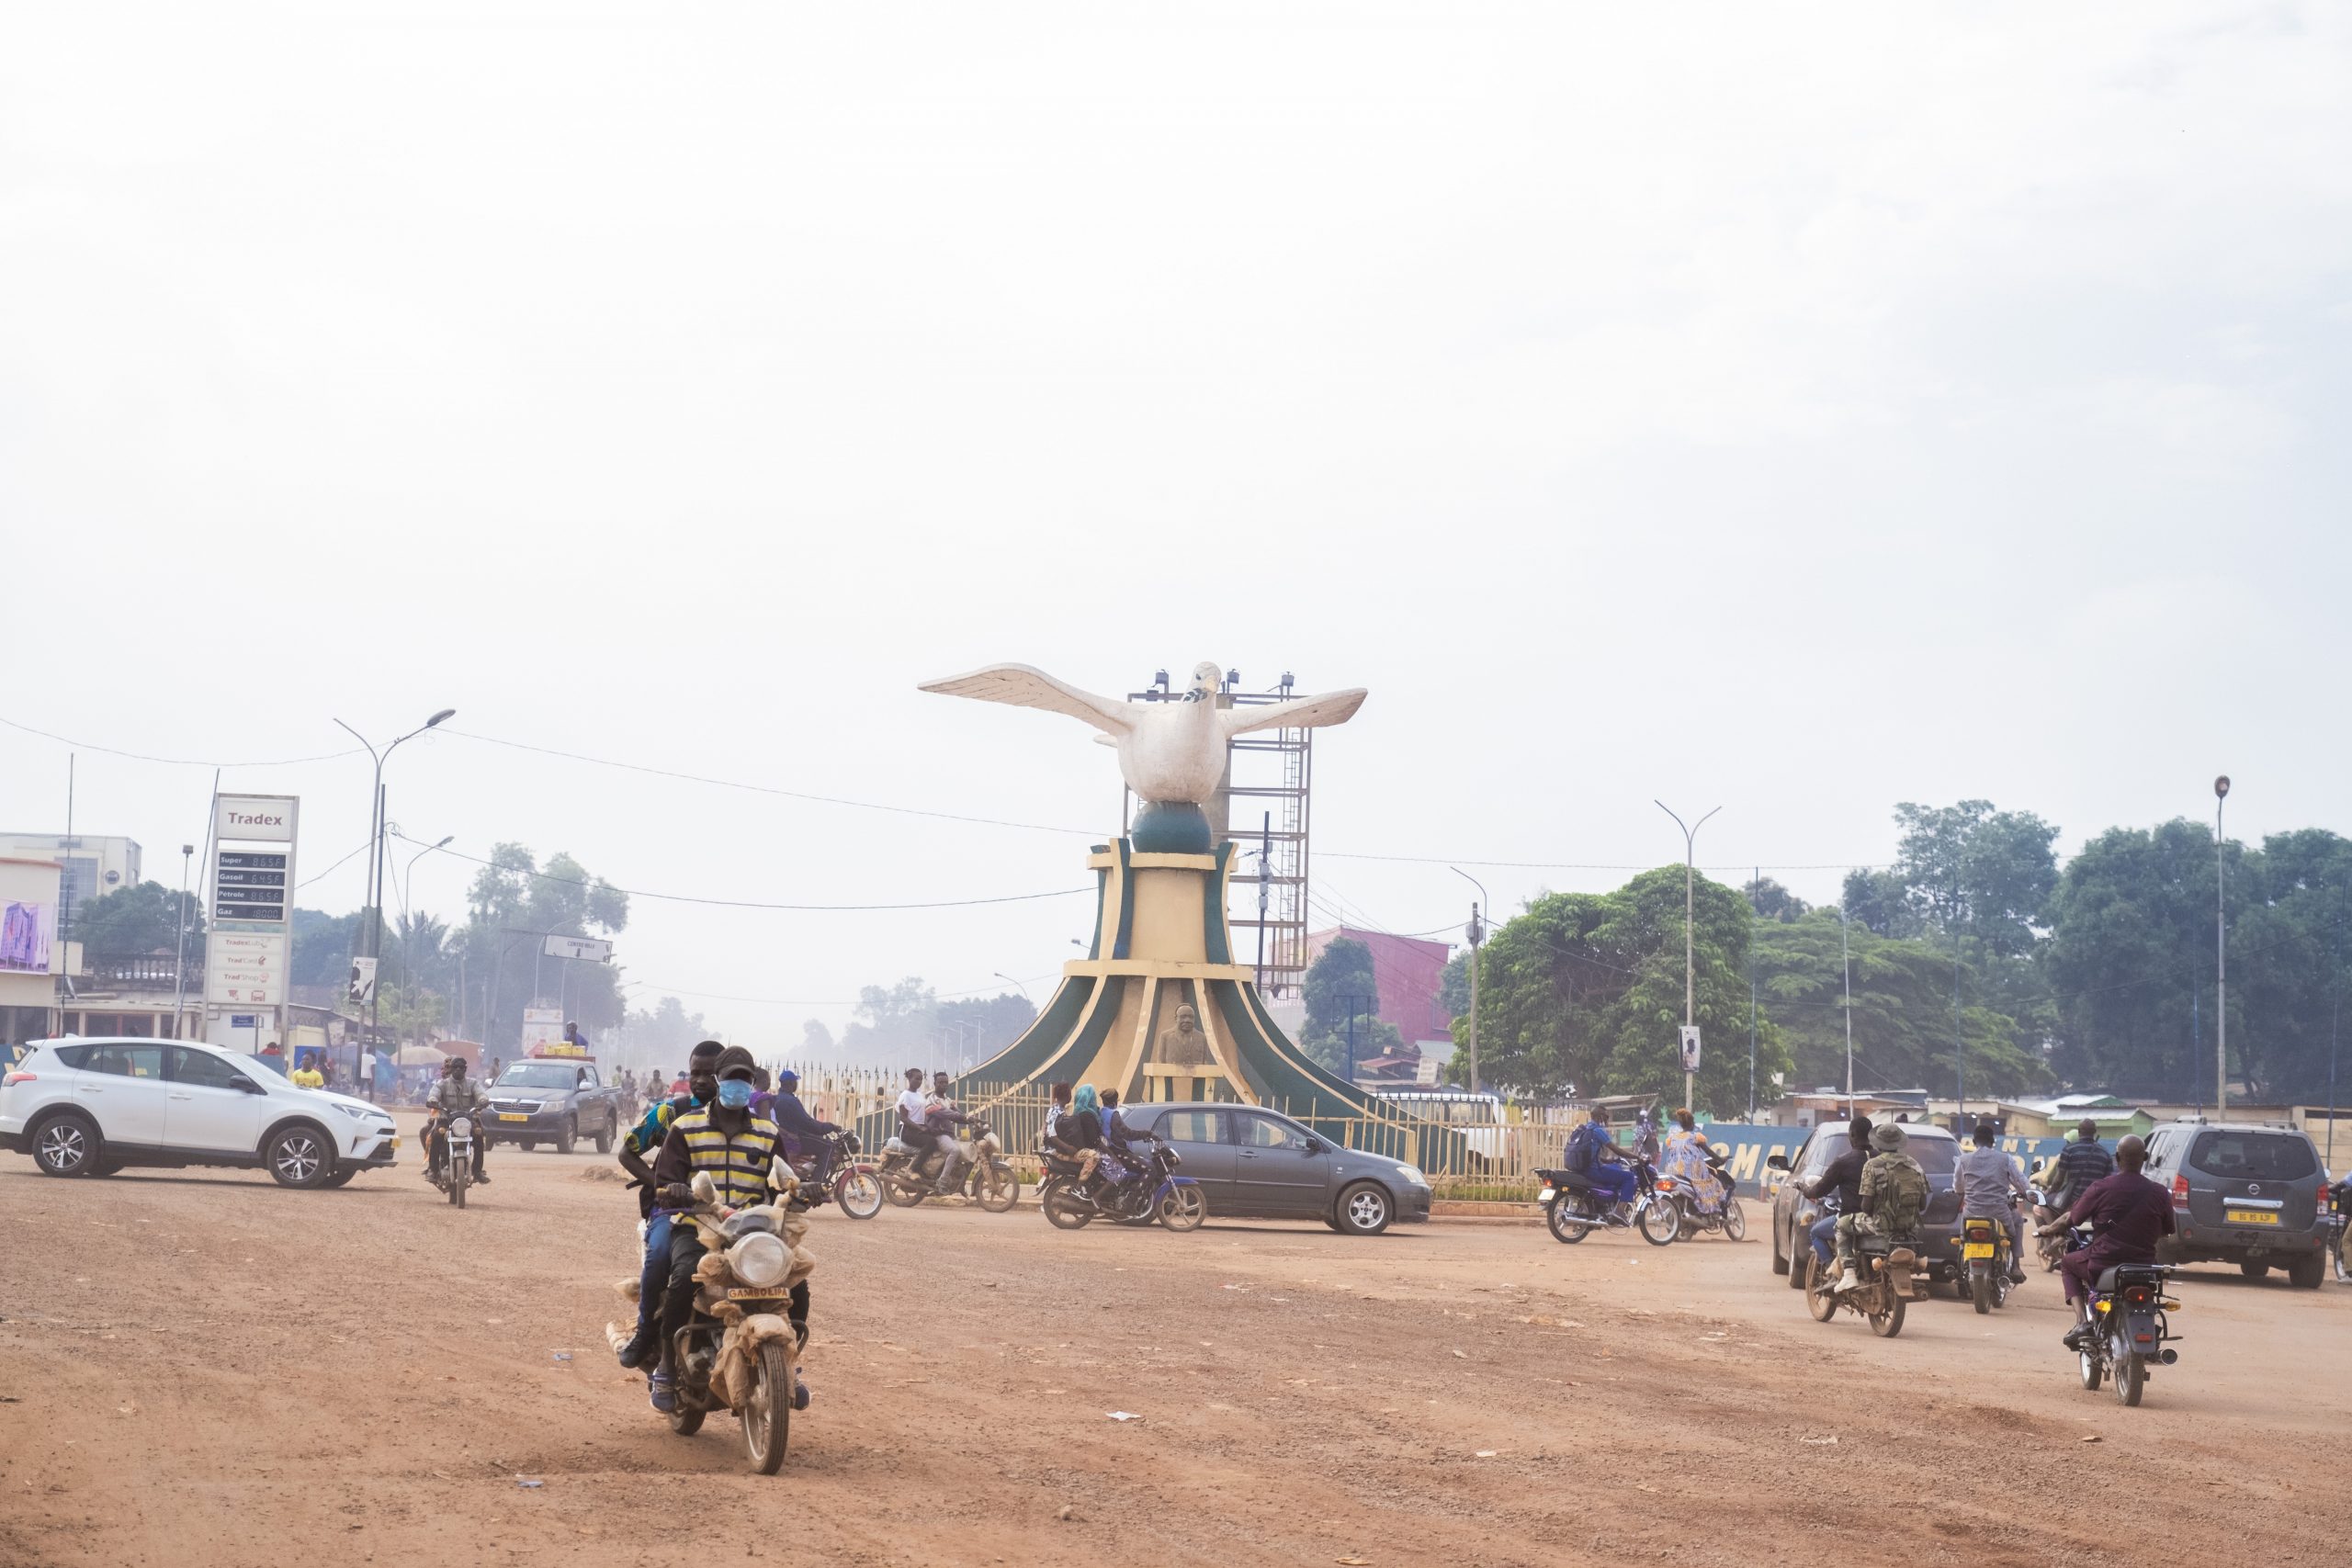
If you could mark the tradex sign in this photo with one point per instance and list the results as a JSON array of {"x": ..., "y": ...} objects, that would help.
[{"x": 250, "y": 819}]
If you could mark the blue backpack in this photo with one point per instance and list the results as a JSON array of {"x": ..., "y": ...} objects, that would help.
[{"x": 1583, "y": 1148}]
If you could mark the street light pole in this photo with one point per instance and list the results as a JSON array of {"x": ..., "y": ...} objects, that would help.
[
  {"x": 1846, "y": 962},
  {"x": 407, "y": 926},
  {"x": 179, "y": 964},
  {"x": 1477, "y": 932},
  {"x": 375, "y": 928},
  {"x": 1690, "y": 966},
  {"x": 2221, "y": 956}
]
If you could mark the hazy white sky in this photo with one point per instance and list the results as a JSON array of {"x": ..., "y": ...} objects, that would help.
[{"x": 1793, "y": 409}]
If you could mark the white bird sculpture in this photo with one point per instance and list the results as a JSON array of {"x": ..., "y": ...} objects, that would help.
[{"x": 1169, "y": 752}]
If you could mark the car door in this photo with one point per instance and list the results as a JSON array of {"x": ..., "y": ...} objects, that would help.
[
  {"x": 212, "y": 1104},
  {"x": 123, "y": 1089},
  {"x": 1276, "y": 1169},
  {"x": 1199, "y": 1139}
]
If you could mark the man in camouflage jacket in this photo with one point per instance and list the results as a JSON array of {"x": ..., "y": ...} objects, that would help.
[{"x": 1893, "y": 1191}]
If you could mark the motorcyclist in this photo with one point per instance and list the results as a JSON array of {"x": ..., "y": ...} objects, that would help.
[
  {"x": 1844, "y": 1178},
  {"x": 735, "y": 1148},
  {"x": 913, "y": 1129},
  {"x": 650, "y": 1132},
  {"x": 803, "y": 1134},
  {"x": 1892, "y": 1191},
  {"x": 1592, "y": 1154},
  {"x": 941, "y": 1118},
  {"x": 2080, "y": 1164},
  {"x": 2129, "y": 1213},
  {"x": 1989, "y": 1186},
  {"x": 1123, "y": 1163},
  {"x": 453, "y": 1095}
]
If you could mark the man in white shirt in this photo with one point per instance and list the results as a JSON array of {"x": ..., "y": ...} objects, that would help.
[{"x": 913, "y": 1105}]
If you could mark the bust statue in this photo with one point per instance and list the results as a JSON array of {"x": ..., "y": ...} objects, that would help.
[{"x": 1184, "y": 1045}]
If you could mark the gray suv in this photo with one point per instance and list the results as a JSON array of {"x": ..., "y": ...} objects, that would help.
[
  {"x": 2249, "y": 1195},
  {"x": 1251, "y": 1161}
]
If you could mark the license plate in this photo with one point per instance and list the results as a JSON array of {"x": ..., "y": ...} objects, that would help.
[
  {"x": 1545, "y": 1196},
  {"x": 396, "y": 1140},
  {"x": 757, "y": 1293},
  {"x": 1977, "y": 1249},
  {"x": 2251, "y": 1217},
  {"x": 513, "y": 1116}
]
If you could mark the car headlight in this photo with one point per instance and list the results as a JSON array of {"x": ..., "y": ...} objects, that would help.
[
  {"x": 356, "y": 1112},
  {"x": 759, "y": 1258},
  {"x": 1412, "y": 1173}
]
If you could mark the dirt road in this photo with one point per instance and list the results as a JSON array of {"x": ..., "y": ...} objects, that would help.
[{"x": 202, "y": 1370}]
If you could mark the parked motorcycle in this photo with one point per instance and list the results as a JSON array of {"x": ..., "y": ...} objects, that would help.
[
  {"x": 1890, "y": 1278},
  {"x": 987, "y": 1178},
  {"x": 2128, "y": 1326},
  {"x": 739, "y": 1351},
  {"x": 853, "y": 1183},
  {"x": 1157, "y": 1193},
  {"x": 1573, "y": 1208},
  {"x": 1985, "y": 1254},
  {"x": 456, "y": 1160}
]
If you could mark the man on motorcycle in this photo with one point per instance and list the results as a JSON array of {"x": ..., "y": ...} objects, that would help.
[
  {"x": 942, "y": 1121},
  {"x": 1989, "y": 1186},
  {"x": 803, "y": 1135},
  {"x": 454, "y": 1095},
  {"x": 1125, "y": 1163},
  {"x": 2080, "y": 1164},
  {"x": 1844, "y": 1178},
  {"x": 913, "y": 1107},
  {"x": 650, "y": 1132},
  {"x": 725, "y": 1139},
  {"x": 2130, "y": 1214},
  {"x": 1593, "y": 1154},
  {"x": 1892, "y": 1190}
]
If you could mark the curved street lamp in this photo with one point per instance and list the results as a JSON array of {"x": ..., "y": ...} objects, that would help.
[{"x": 375, "y": 838}]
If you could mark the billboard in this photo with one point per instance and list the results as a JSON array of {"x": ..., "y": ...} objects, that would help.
[
  {"x": 27, "y": 930},
  {"x": 250, "y": 945},
  {"x": 254, "y": 818},
  {"x": 245, "y": 968}
]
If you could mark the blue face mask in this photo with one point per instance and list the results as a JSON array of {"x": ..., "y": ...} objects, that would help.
[{"x": 735, "y": 1094}]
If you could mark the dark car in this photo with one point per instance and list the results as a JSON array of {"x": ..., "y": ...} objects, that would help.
[
  {"x": 1257, "y": 1163},
  {"x": 556, "y": 1102},
  {"x": 1938, "y": 1153},
  {"x": 2249, "y": 1195}
]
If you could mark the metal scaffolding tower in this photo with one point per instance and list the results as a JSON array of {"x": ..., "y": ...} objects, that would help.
[{"x": 1261, "y": 805}]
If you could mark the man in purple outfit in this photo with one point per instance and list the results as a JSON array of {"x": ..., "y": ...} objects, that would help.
[{"x": 2130, "y": 1211}]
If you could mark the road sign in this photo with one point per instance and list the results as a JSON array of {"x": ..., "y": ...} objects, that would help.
[
  {"x": 595, "y": 949},
  {"x": 1690, "y": 1047},
  {"x": 362, "y": 989}
]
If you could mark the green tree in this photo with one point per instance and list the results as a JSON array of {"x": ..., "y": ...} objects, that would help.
[
  {"x": 816, "y": 1040},
  {"x": 1903, "y": 1013},
  {"x": 895, "y": 1026},
  {"x": 1454, "y": 985},
  {"x": 1773, "y": 902},
  {"x": 138, "y": 921},
  {"x": 1583, "y": 994},
  {"x": 513, "y": 903},
  {"x": 1341, "y": 984},
  {"x": 323, "y": 945}
]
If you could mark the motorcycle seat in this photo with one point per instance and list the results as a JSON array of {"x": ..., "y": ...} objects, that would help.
[
  {"x": 2115, "y": 1275},
  {"x": 1574, "y": 1181}
]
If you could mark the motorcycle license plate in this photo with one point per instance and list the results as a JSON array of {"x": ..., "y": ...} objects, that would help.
[
  {"x": 1977, "y": 1249},
  {"x": 513, "y": 1116},
  {"x": 2251, "y": 1217},
  {"x": 757, "y": 1293},
  {"x": 1545, "y": 1196}
]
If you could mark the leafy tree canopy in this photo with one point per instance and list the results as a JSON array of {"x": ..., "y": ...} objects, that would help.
[{"x": 138, "y": 921}]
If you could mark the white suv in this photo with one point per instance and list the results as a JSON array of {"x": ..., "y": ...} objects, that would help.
[{"x": 91, "y": 1107}]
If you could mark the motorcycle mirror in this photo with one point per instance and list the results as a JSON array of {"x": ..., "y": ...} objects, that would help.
[
  {"x": 705, "y": 1189},
  {"x": 780, "y": 1177},
  {"x": 1777, "y": 1161}
]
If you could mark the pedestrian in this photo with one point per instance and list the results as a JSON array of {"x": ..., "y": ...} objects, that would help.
[
  {"x": 368, "y": 1075},
  {"x": 306, "y": 1074}
]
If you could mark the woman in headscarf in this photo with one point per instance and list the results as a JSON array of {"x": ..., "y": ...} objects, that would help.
[
  {"x": 1081, "y": 1128},
  {"x": 1686, "y": 1161}
]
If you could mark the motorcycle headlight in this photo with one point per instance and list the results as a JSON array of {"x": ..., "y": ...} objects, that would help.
[
  {"x": 1412, "y": 1174},
  {"x": 759, "y": 1258},
  {"x": 462, "y": 1127}
]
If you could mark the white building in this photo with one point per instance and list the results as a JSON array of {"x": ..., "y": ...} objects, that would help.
[{"x": 93, "y": 866}]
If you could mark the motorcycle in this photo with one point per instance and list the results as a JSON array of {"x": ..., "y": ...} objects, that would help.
[
  {"x": 457, "y": 1157},
  {"x": 1573, "y": 1208},
  {"x": 851, "y": 1182},
  {"x": 987, "y": 1178},
  {"x": 2128, "y": 1326},
  {"x": 1890, "y": 1278},
  {"x": 2049, "y": 1248},
  {"x": 1692, "y": 1219},
  {"x": 2339, "y": 1217},
  {"x": 1985, "y": 1254},
  {"x": 740, "y": 1352},
  {"x": 1157, "y": 1194}
]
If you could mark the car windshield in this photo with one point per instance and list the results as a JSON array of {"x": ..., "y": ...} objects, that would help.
[
  {"x": 1937, "y": 1157},
  {"x": 538, "y": 1075},
  {"x": 2253, "y": 1156}
]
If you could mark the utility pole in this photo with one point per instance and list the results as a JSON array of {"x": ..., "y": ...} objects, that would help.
[
  {"x": 1690, "y": 969},
  {"x": 179, "y": 964},
  {"x": 1959, "y": 1051},
  {"x": 1752, "y": 886},
  {"x": 1846, "y": 959},
  {"x": 2336, "y": 1020},
  {"x": 2221, "y": 956},
  {"x": 1477, "y": 932}
]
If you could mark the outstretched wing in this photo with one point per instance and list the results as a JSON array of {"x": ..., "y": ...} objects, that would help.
[
  {"x": 1025, "y": 686},
  {"x": 1299, "y": 713}
]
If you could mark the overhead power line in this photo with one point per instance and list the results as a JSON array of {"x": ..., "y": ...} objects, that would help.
[{"x": 177, "y": 761}]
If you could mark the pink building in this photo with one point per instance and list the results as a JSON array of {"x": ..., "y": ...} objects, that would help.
[{"x": 1408, "y": 972}]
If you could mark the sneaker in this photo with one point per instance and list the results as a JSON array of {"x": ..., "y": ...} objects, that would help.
[
  {"x": 664, "y": 1395},
  {"x": 632, "y": 1355},
  {"x": 799, "y": 1393},
  {"x": 1848, "y": 1280}
]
